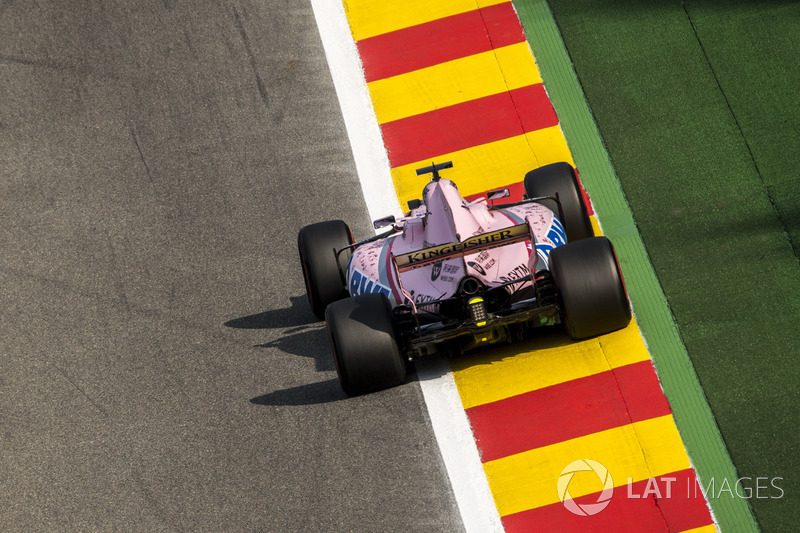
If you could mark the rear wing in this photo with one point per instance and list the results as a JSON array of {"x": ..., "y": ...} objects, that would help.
[{"x": 502, "y": 237}]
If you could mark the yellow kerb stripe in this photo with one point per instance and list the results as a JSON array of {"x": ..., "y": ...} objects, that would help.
[
  {"x": 705, "y": 529},
  {"x": 375, "y": 17},
  {"x": 637, "y": 451},
  {"x": 454, "y": 82},
  {"x": 488, "y": 166},
  {"x": 595, "y": 224},
  {"x": 507, "y": 371}
]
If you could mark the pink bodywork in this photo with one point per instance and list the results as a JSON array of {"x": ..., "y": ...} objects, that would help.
[{"x": 446, "y": 217}]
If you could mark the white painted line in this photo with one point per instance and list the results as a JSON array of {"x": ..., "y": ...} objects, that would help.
[
  {"x": 448, "y": 418},
  {"x": 457, "y": 444}
]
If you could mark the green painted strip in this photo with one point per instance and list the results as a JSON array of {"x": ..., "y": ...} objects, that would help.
[{"x": 693, "y": 416}]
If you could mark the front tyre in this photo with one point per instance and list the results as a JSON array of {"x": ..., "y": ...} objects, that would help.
[
  {"x": 323, "y": 273},
  {"x": 364, "y": 344},
  {"x": 586, "y": 274},
  {"x": 561, "y": 178}
]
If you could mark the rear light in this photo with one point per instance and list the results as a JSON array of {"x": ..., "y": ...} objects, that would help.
[{"x": 477, "y": 310}]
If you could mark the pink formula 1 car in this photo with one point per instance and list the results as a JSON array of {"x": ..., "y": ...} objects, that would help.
[{"x": 455, "y": 274}]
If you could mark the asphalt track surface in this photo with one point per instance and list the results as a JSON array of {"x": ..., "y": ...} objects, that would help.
[{"x": 159, "y": 367}]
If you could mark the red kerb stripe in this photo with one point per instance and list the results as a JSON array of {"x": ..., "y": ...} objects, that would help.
[
  {"x": 446, "y": 39},
  {"x": 615, "y": 398},
  {"x": 484, "y": 120}
]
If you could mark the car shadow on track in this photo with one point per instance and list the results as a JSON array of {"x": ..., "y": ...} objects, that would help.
[
  {"x": 310, "y": 394},
  {"x": 305, "y": 341},
  {"x": 303, "y": 335},
  {"x": 297, "y": 314}
]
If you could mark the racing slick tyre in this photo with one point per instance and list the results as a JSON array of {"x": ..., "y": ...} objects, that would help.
[
  {"x": 561, "y": 178},
  {"x": 586, "y": 274},
  {"x": 364, "y": 344},
  {"x": 323, "y": 274}
]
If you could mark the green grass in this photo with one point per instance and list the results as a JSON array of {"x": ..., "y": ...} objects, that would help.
[{"x": 697, "y": 105}]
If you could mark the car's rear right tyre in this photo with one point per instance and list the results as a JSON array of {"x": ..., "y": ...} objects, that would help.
[
  {"x": 364, "y": 344},
  {"x": 561, "y": 178},
  {"x": 592, "y": 294},
  {"x": 324, "y": 274}
]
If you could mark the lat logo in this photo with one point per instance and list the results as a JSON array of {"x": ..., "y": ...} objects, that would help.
[{"x": 602, "y": 473}]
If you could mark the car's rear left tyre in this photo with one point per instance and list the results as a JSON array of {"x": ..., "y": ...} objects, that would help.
[
  {"x": 561, "y": 178},
  {"x": 324, "y": 274},
  {"x": 592, "y": 293},
  {"x": 364, "y": 344}
]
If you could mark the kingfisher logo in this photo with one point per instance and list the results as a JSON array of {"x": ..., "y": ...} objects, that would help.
[
  {"x": 360, "y": 283},
  {"x": 588, "y": 466},
  {"x": 477, "y": 242}
]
